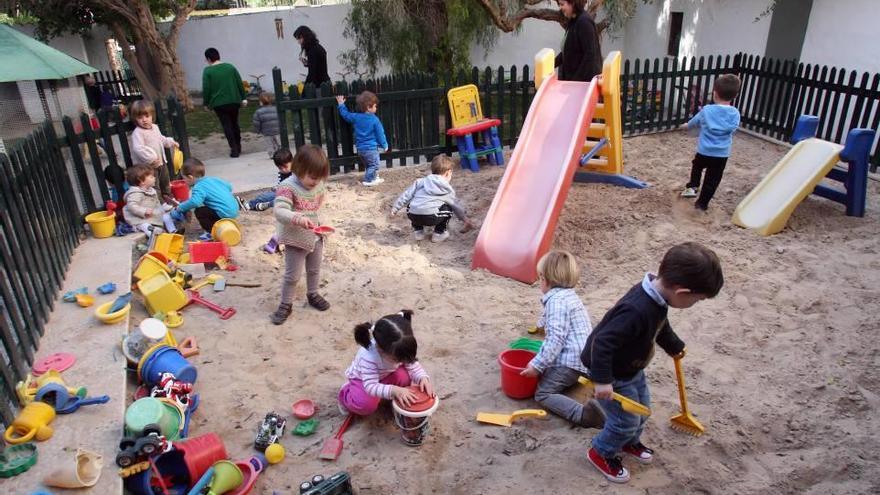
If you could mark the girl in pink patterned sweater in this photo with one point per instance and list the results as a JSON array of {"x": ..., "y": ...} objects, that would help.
[
  {"x": 147, "y": 143},
  {"x": 384, "y": 367}
]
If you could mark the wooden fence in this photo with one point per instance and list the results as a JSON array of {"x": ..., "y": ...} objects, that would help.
[
  {"x": 657, "y": 95},
  {"x": 412, "y": 108},
  {"x": 47, "y": 183},
  {"x": 81, "y": 145},
  {"x": 122, "y": 84},
  {"x": 39, "y": 229}
]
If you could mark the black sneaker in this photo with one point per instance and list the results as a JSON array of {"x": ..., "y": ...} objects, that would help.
[
  {"x": 281, "y": 314},
  {"x": 243, "y": 203}
]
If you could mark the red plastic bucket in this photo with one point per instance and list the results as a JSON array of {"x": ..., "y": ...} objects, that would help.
[
  {"x": 514, "y": 385},
  {"x": 179, "y": 190},
  {"x": 200, "y": 453}
]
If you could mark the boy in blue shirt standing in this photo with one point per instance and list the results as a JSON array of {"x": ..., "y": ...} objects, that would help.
[
  {"x": 369, "y": 135},
  {"x": 716, "y": 123}
]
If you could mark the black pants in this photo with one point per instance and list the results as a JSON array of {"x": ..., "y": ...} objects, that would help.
[
  {"x": 439, "y": 220},
  {"x": 228, "y": 115},
  {"x": 206, "y": 217},
  {"x": 714, "y": 167}
]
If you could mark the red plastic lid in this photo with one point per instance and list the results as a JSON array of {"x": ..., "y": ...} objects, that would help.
[
  {"x": 303, "y": 409},
  {"x": 423, "y": 401},
  {"x": 59, "y": 362},
  {"x": 323, "y": 229}
]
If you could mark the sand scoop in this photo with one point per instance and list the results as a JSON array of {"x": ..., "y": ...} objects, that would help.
[
  {"x": 502, "y": 419},
  {"x": 626, "y": 403},
  {"x": 684, "y": 422}
]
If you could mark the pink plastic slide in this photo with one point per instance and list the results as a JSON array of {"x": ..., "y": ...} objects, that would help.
[{"x": 520, "y": 223}]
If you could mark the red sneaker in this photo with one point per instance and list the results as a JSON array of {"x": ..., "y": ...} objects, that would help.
[
  {"x": 610, "y": 467},
  {"x": 640, "y": 452}
]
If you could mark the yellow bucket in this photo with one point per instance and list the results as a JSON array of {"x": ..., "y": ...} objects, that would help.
[
  {"x": 169, "y": 245},
  {"x": 102, "y": 224},
  {"x": 149, "y": 265},
  {"x": 227, "y": 230}
]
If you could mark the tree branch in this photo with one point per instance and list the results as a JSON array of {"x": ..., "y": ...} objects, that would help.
[
  {"x": 181, "y": 14},
  {"x": 507, "y": 23},
  {"x": 121, "y": 8}
]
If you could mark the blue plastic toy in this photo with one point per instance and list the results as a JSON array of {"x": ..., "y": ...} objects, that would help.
[{"x": 107, "y": 288}]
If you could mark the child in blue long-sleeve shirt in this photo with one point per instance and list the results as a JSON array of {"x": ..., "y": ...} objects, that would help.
[
  {"x": 716, "y": 124},
  {"x": 210, "y": 197},
  {"x": 369, "y": 135}
]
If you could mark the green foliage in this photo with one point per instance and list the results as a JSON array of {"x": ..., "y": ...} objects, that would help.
[
  {"x": 409, "y": 36},
  {"x": 57, "y": 17},
  {"x": 17, "y": 20}
]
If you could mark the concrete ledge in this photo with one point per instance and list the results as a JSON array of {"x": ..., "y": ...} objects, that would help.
[{"x": 100, "y": 367}]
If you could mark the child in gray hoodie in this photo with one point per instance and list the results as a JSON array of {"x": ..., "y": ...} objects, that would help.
[
  {"x": 266, "y": 123},
  {"x": 431, "y": 202}
]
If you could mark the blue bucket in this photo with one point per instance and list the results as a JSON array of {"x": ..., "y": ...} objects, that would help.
[{"x": 168, "y": 359}]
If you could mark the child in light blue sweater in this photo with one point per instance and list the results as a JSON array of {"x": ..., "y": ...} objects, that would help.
[
  {"x": 210, "y": 197},
  {"x": 369, "y": 135},
  {"x": 716, "y": 124}
]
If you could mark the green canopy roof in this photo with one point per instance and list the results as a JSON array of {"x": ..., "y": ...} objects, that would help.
[{"x": 23, "y": 58}]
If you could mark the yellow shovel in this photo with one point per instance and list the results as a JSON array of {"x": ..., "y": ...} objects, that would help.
[
  {"x": 626, "y": 403},
  {"x": 507, "y": 419}
]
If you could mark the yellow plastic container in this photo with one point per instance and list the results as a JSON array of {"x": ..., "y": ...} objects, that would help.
[
  {"x": 227, "y": 230},
  {"x": 111, "y": 318},
  {"x": 161, "y": 294},
  {"x": 150, "y": 265},
  {"x": 170, "y": 245},
  {"x": 102, "y": 223}
]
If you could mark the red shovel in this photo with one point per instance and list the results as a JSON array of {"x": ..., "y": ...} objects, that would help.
[{"x": 333, "y": 446}]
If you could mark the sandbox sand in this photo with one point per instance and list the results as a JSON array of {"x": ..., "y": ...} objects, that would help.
[{"x": 781, "y": 369}]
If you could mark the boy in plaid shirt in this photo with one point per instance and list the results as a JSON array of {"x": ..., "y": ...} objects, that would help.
[{"x": 567, "y": 326}]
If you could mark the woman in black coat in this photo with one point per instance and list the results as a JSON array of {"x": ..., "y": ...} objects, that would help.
[
  {"x": 312, "y": 55},
  {"x": 581, "y": 58}
]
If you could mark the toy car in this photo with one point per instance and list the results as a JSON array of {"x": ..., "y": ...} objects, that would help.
[
  {"x": 338, "y": 484},
  {"x": 270, "y": 431},
  {"x": 137, "y": 449}
]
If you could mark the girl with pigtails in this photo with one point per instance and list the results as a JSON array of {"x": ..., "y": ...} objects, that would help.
[{"x": 384, "y": 367}]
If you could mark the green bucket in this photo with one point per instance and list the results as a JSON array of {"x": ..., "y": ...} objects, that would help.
[{"x": 150, "y": 410}]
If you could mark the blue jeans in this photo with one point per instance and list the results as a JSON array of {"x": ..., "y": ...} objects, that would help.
[
  {"x": 263, "y": 197},
  {"x": 370, "y": 159},
  {"x": 622, "y": 428}
]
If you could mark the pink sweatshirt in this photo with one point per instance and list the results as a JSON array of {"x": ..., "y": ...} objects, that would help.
[
  {"x": 369, "y": 367},
  {"x": 147, "y": 144}
]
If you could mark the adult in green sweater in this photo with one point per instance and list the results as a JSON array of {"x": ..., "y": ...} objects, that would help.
[{"x": 223, "y": 92}]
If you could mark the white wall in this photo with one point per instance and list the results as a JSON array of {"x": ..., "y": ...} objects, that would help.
[
  {"x": 844, "y": 37},
  {"x": 249, "y": 42},
  {"x": 710, "y": 27}
]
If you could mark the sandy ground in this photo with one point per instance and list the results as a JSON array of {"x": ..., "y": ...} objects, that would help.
[{"x": 781, "y": 369}]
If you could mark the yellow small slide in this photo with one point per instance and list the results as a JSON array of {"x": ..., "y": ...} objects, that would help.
[{"x": 769, "y": 205}]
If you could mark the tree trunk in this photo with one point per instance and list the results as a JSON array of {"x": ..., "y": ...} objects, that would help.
[
  {"x": 154, "y": 59},
  {"x": 497, "y": 11}
]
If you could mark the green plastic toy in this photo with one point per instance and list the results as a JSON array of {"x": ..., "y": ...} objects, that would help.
[
  {"x": 527, "y": 344},
  {"x": 17, "y": 459},
  {"x": 306, "y": 428}
]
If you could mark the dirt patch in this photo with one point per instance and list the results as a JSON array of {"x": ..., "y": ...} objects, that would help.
[{"x": 780, "y": 369}]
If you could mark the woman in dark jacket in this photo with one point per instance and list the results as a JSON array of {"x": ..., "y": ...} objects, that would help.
[
  {"x": 581, "y": 58},
  {"x": 312, "y": 55}
]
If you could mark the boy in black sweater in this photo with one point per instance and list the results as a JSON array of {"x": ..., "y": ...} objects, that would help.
[{"x": 622, "y": 345}]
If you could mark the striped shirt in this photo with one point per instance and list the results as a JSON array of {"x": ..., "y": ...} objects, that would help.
[
  {"x": 292, "y": 202},
  {"x": 567, "y": 326},
  {"x": 369, "y": 367}
]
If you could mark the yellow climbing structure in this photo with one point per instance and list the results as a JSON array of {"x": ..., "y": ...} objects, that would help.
[{"x": 607, "y": 122}]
